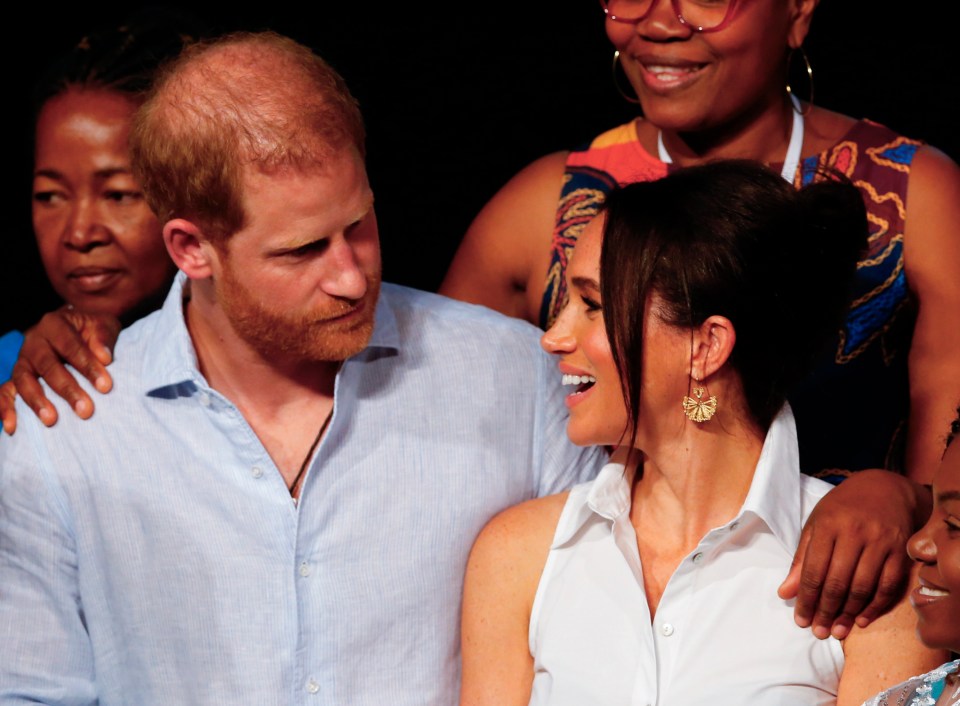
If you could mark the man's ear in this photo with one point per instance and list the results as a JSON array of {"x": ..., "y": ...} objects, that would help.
[
  {"x": 189, "y": 248},
  {"x": 713, "y": 343}
]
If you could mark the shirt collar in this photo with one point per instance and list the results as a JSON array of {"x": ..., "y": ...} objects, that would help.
[
  {"x": 170, "y": 358},
  {"x": 385, "y": 332},
  {"x": 608, "y": 498},
  {"x": 773, "y": 496}
]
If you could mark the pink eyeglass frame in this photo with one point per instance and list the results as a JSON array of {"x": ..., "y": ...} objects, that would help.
[{"x": 675, "y": 4}]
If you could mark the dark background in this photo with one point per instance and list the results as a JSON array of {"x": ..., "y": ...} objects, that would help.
[{"x": 458, "y": 98}]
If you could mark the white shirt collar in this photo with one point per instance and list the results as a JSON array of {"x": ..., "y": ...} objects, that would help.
[{"x": 772, "y": 496}]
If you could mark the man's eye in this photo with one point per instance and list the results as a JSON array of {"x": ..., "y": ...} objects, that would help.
[{"x": 317, "y": 246}]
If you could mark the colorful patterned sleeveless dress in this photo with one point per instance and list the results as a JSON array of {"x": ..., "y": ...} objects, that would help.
[{"x": 852, "y": 411}]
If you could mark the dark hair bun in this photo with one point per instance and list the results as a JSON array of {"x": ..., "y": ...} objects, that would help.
[{"x": 733, "y": 238}]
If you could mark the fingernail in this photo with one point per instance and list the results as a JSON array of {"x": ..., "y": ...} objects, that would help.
[
  {"x": 102, "y": 384},
  {"x": 821, "y": 632},
  {"x": 82, "y": 407},
  {"x": 47, "y": 416},
  {"x": 840, "y": 632}
]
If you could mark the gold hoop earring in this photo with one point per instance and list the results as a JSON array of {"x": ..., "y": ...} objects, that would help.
[
  {"x": 809, "y": 71},
  {"x": 698, "y": 409},
  {"x": 616, "y": 84}
]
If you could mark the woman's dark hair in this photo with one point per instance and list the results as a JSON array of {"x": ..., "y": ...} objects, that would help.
[
  {"x": 123, "y": 59},
  {"x": 732, "y": 238}
]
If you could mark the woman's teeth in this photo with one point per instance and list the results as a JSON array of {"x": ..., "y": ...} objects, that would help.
[
  {"x": 578, "y": 379},
  {"x": 933, "y": 592}
]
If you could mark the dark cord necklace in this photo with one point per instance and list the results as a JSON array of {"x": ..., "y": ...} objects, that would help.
[{"x": 306, "y": 459}]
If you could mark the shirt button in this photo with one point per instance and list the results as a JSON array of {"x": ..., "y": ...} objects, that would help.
[
  {"x": 256, "y": 471},
  {"x": 205, "y": 399},
  {"x": 304, "y": 569},
  {"x": 312, "y": 687},
  {"x": 667, "y": 630},
  {"x": 698, "y": 557}
]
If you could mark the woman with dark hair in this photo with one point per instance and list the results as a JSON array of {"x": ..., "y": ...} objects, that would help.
[
  {"x": 690, "y": 316},
  {"x": 99, "y": 242},
  {"x": 712, "y": 80},
  {"x": 936, "y": 597}
]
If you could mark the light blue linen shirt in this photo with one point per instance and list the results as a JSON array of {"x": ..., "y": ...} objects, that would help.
[{"x": 154, "y": 556}]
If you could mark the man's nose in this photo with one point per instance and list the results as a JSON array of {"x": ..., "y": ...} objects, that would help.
[{"x": 345, "y": 277}]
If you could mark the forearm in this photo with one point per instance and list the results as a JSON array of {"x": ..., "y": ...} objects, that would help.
[{"x": 934, "y": 394}]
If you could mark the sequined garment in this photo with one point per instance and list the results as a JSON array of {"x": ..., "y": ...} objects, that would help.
[
  {"x": 851, "y": 412},
  {"x": 923, "y": 690}
]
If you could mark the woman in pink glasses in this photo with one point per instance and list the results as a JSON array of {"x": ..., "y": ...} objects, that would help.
[{"x": 712, "y": 80}]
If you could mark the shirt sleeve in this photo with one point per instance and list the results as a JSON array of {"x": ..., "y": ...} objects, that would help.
[
  {"x": 563, "y": 463},
  {"x": 45, "y": 651}
]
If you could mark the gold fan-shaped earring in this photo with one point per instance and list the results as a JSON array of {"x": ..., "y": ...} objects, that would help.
[{"x": 697, "y": 408}]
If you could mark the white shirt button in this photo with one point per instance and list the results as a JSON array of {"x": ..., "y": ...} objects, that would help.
[
  {"x": 304, "y": 569},
  {"x": 667, "y": 629},
  {"x": 256, "y": 471},
  {"x": 698, "y": 557},
  {"x": 205, "y": 399},
  {"x": 312, "y": 687}
]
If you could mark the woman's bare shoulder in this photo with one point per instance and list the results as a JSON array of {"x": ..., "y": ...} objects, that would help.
[
  {"x": 525, "y": 528},
  {"x": 824, "y": 128}
]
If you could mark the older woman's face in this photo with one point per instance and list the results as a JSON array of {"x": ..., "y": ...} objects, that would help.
[
  {"x": 937, "y": 549},
  {"x": 689, "y": 81},
  {"x": 100, "y": 243},
  {"x": 598, "y": 412}
]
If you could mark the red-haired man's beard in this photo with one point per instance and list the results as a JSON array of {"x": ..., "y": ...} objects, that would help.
[{"x": 329, "y": 334}]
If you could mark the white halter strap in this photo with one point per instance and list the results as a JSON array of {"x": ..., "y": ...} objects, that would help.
[{"x": 790, "y": 162}]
